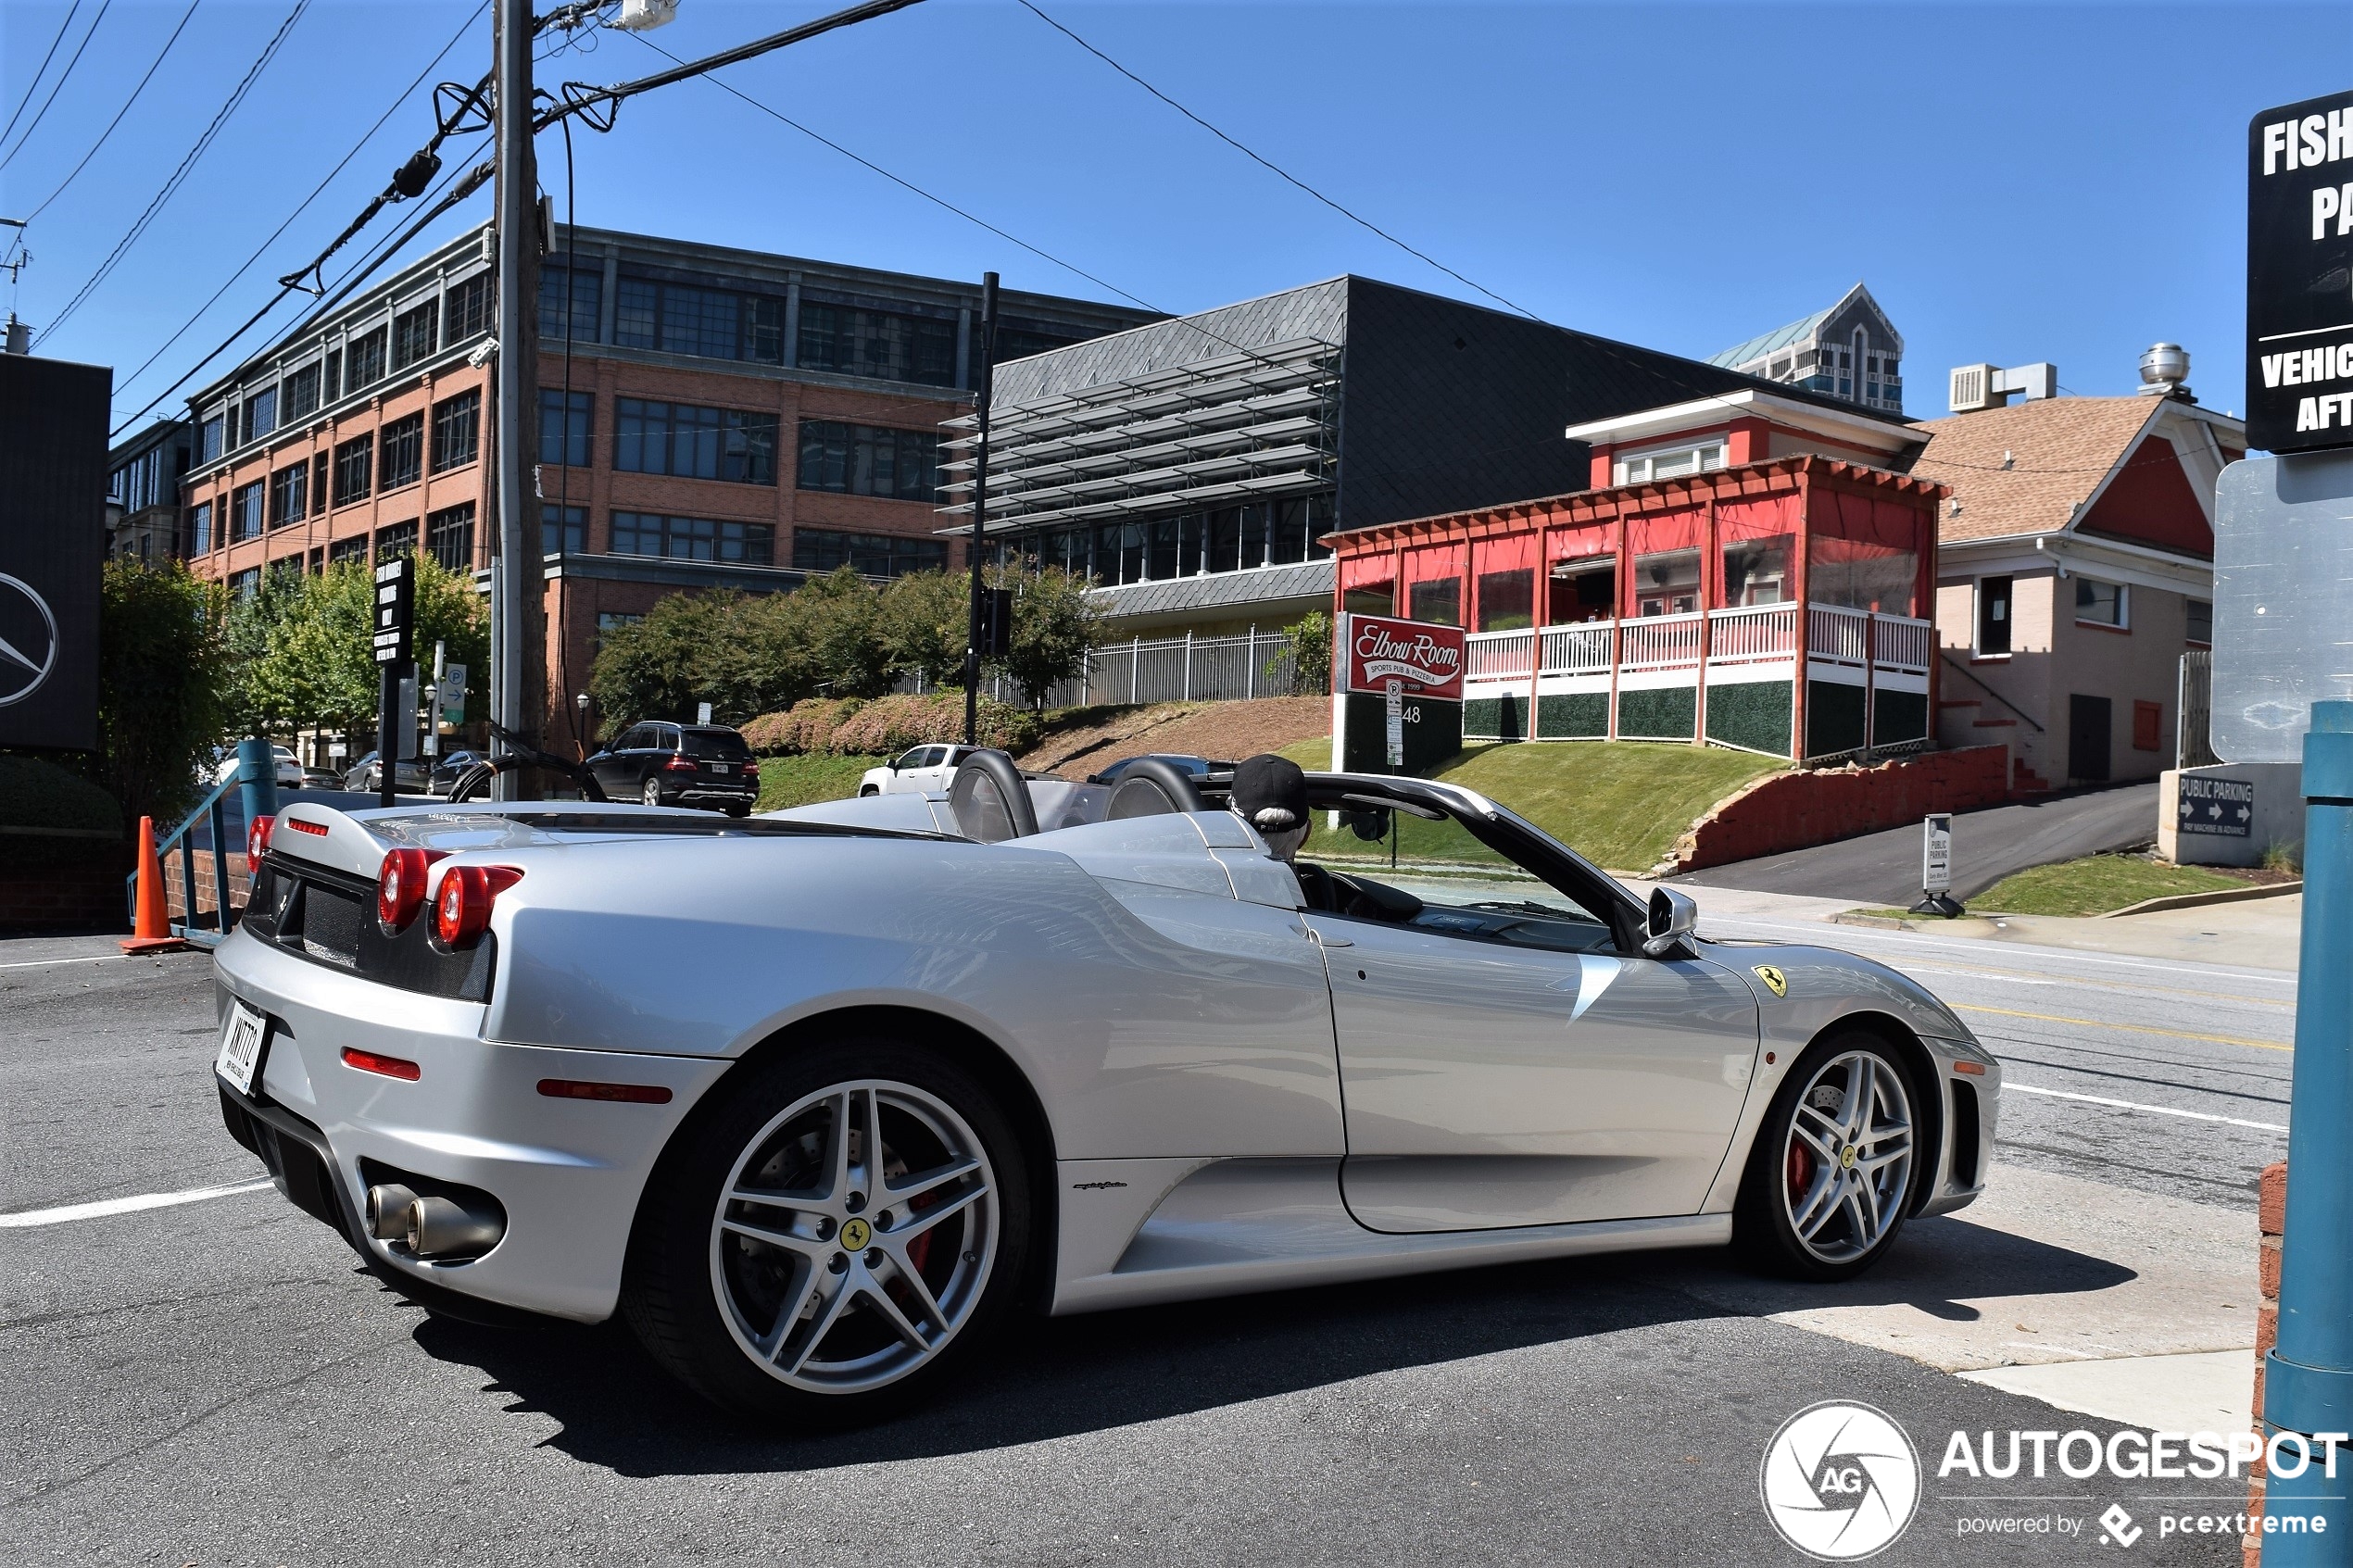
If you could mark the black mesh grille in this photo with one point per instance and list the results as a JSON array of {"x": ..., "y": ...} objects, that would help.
[{"x": 330, "y": 924}]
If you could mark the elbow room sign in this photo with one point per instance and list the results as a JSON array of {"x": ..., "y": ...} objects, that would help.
[
  {"x": 2299, "y": 276},
  {"x": 1401, "y": 697}
]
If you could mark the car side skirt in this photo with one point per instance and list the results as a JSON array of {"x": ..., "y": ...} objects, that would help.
[{"x": 1138, "y": 1231}]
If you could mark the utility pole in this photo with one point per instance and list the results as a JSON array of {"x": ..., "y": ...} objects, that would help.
[
  {"x": 517, "y": 583},
  {"x": 980, "y": 506}
]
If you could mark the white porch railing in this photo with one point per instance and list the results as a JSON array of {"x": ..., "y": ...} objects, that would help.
[
  {"x": 1756, "y": 631},
  {"x": 1657, "y": 642},
  {"x": 1837, "y": 636},
  {"x": 1901, "y": 642},
  {"x": 1499, "y": 656}
]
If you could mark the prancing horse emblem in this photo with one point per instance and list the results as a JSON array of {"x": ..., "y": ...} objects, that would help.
[{"x": 1775, "y": 980}]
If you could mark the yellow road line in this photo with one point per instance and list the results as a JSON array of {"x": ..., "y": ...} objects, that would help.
[{"x": 2137, "y": 1028}]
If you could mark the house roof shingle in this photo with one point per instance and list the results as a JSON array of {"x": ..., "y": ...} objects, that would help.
[{"x": 2060, "y": 450}]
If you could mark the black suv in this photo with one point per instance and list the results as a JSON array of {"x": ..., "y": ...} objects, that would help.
[{"x": 680, "y": 765}]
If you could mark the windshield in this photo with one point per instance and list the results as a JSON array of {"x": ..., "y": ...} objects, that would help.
[{"x": 718, "y": 746}]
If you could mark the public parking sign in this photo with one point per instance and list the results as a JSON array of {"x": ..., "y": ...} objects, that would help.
[{"x": 2299, "y": 276}]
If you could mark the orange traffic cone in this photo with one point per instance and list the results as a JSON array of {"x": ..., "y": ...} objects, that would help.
[{"x": 151, "y": 929}]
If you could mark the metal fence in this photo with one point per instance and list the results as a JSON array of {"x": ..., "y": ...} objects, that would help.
[{"x": 1186, "y": 669}]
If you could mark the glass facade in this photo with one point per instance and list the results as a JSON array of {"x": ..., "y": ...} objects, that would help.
[
  {"x": 694, "y": 442},
  {"x": 869, "y": 555},
  {"x": 868, "y": 460},
  {"x": 694, "y": 538},
  {"x": 882, "y": 343},
  {"x": 1224, "y": 539}
]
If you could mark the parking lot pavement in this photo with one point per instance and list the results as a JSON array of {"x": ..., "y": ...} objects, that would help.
[{"x": 218, "y": 1381}]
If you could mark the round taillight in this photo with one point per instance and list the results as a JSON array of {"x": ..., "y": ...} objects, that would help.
[
  {"x": 400, "y": 889},
  {"x": 257, "y": 841},
  {"x": 461, "y": 904}
]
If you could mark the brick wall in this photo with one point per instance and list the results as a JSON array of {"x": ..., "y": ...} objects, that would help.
[
  {"x": 1797, "y": 810},
  {"x": 2272, "y": 1212}
]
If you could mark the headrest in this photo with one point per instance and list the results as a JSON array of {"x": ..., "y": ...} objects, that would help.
[
  {"x": 1270, "y": 793},
  {"x": 990, "y": 802}
]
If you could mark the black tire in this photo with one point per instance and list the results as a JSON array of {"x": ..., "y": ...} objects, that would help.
[
  {"x": 739, "y": 811},
  {"x": 865, "y": 790},
  {"x": 1784, "y": 1171},
  {"x": 682, "y": 1264},
  {"x": 652, "y": 794}
]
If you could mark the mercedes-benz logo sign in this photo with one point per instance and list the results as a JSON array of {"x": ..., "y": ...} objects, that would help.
[
  {"x": 26, "y": 657},
  {"x": 1840, "y": 1481}
]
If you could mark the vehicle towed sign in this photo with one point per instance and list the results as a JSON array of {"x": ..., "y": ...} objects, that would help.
[
  {"x": 1426, "y": 658},
  {"x": 2299, "y": 276}
]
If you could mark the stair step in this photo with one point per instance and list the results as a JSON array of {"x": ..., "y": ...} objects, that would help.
[{"x": 1993, "y": 723}]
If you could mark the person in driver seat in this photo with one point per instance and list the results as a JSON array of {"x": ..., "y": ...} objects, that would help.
[{"x": 1270, "y": 794}]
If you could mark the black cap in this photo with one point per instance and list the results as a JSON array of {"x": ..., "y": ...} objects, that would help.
[{"x": 1270, "y": 793}]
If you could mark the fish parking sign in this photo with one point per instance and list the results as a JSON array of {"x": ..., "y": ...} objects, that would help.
[{"x": 2219, "y": 807}]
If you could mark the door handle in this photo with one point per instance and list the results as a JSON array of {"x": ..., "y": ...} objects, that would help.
[{"x": 1315, "y": 935}]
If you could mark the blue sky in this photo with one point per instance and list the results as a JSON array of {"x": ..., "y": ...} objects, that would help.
[{"x": 2013, "y": 181}]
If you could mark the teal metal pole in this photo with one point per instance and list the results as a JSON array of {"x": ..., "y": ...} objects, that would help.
[
  {"x": 2307, "y": 1379},
  {"x": 257, "y": 778}
]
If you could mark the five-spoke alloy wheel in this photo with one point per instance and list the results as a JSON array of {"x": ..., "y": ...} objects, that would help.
[
  {"x": 1830, "y": 1177},
  {"x": 852, "y": 1218}
]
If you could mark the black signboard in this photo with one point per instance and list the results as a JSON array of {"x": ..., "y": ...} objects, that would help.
[
  {"x": 396, "y": 608},
  {"x": 2299, "y": 276},
  {"x": 53, "y": 519},
  {"x": 2217, "y": 807}
]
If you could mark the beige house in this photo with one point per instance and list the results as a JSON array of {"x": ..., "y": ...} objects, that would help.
[{"x": 2075, "y": 568}]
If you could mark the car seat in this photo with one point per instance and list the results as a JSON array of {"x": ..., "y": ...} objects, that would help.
[{"x": 989, "y": 800}]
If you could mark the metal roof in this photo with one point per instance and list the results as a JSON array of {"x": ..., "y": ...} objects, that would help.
[
  {"x": 1301, "y": 580},
  {"x": 1779, "y": 338}
]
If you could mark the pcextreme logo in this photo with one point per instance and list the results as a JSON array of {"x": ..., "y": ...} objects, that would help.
[{"x": 1840, "y": 1481}]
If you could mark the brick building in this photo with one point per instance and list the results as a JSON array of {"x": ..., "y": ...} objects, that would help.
[{"x": 708, "y": 417}]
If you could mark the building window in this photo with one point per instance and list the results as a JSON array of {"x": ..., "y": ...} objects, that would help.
[
  {"x": 866, "y": 460},
  {"x": 1644, "y": 467},
  {"x": 636, "y": 314},
  {"x": 457, "y": 429},
  {"x": 1993, "y": 616},
  {"x": 2201, "y": 620},
  {"x": 200, "y": 528},
  {"x": 261, "y": 413},
  {"x": 403, "y": 453},
  {"x": 1757, "y": 570},
  {"x": 610, "y": 620},
  {"x": 763, "y": 329},
  {"x": 1582, "y": 589},
  {"x": 1506, "y": 601},
  {"x": 707, "y": 324},
  {"x": 2101, "y": 604},
  {"x": 246, "y": 584},
  {"x": 302, "y": 392},
  {"x": 1666, "y": 583},
  {"x": 465, "y": 312},
  {"x": 563, "y": 528},
  {"x": 290, "y": 494},
  {"x": 869, "y": 555},
  {"x": 2148, "y": 726},
  {"x": 693, "y": 538},
  {"x": 355, "y": 464},
  {"x": 567, "y": 420},
  {"x": 449, "y": 535},
  {"x": 1015, "y": 342},
  {"x": 333, "y": 378},
  {"x": 698, "y": 321},
  {"x": 245, "y": 512},
  {"x": 588, "y": 291},
  {"x": 413, "y": 334},
  {"x": 364, "y": 362},
  {"x": 694, "y": 442},
  {"x": 1438, "y": 602},
  {"x": 353, "y": 548},
  {"x": 399, "y": 540},
  {"x": 881, "y": 343},
  {"x": 208, "y": 439}
]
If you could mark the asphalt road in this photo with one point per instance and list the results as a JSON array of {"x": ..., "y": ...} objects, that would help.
[
  {"x": 218, "y": 1383},
  {"x": 1988, "y": 845}
]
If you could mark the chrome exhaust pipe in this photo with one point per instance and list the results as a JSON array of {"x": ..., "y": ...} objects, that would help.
[
  {"x": 388, "y": 1211},
  {"x": 439, "y": 1228}
]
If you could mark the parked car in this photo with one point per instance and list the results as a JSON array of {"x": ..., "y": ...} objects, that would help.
[
  {"x": 924, "y": 769},
  {"x": 366, "y": 776},
  {"x": 662, "y": 764},
  {"x": 1198, "y": 769},
  {"x": 289, "y": 770},
  {"x": 445, "y": 769},
  {"x": 816, "y": 1101}
]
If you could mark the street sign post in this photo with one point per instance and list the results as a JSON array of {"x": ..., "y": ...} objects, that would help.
[
  {"x": 451, "y": 685},
  {"x": 395, "y": 629},
  {"x": 2299, "y": 276},
  {"x": 1936, "y": 868}
]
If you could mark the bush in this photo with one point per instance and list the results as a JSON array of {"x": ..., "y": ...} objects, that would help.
[
  {"x": 38, "y": 794},
  {"x": 164, "y": 675},
  {"x": 805, "y": 728},
  {"x": 1308, "y": 640},
  {"x": 887, "y": 726}
]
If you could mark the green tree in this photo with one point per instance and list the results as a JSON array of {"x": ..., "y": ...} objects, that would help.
[
  {"x": 840, "y": 622},
  {"x": 1055, "y": 626},
  {"x": 1308, "y": 644},
  {"x": 926, "y": 619},
  {"x": 744, "y": 655},
  {"x": 164, "y": 685},
  {"x": 312, "y": 663}
]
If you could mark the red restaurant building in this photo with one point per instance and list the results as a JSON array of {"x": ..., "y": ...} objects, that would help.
[{"x": 1743, "y": 572}]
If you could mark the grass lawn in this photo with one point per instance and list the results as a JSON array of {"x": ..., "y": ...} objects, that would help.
[
  {"x": 1619, "y": 804},
  {"x": 803, "y": 781},
  {"x": 2094, "y": 885}
]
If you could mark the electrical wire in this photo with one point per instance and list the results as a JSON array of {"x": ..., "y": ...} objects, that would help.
[
  {"x": 34, "y": 85},
  {"x": 180, "y": 174},
  {"x": 184, "y": 18},
  {"x": 55, "y": 86},
  {"x": 316, "y": 191}
]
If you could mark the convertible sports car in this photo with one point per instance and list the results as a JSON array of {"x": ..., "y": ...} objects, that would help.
[{"x": 816, "y": 1098}]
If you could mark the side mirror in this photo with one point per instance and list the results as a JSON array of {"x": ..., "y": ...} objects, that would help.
[
  {"x": 1672, "y": 916},
  {"x": 1370, "y": 826}
]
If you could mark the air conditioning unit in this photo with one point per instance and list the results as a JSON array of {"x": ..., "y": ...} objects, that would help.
[{"x": 1972, "y": 388}]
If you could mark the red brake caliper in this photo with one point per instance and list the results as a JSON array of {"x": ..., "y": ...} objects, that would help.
[{"x": 1801, "y": 1170}]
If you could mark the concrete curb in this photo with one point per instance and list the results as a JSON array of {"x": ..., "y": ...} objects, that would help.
[{"x": 2199, "y": 900}]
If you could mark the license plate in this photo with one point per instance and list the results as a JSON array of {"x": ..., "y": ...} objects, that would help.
[
  {"x": 241, "y": 1042},
  {"x": 722, "y": 768}
]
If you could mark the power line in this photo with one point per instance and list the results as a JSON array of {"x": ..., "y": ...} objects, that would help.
[
  {"x": 109, "y": 130},
  {"x": 34, "y": 85},
  {"x": 1278, "y": 170},
  {"x": 180, "y": 174},
  {"x": 317, "y": 191},
  {"x": 57, "y": 86}
]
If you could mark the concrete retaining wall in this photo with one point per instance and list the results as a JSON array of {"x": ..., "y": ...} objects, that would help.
[{"x": 1796, "y": 810}]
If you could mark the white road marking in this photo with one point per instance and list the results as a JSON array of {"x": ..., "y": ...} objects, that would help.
[
  {"x": 2135, "y": 1105},
  {"x": 44, "y": 963},
  {"x": 99, "y": 1210},
  {"x": 2007, "y": 979}
]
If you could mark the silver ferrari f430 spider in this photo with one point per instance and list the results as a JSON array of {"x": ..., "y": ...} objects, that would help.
[{"x": 815, "y": 1099}]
